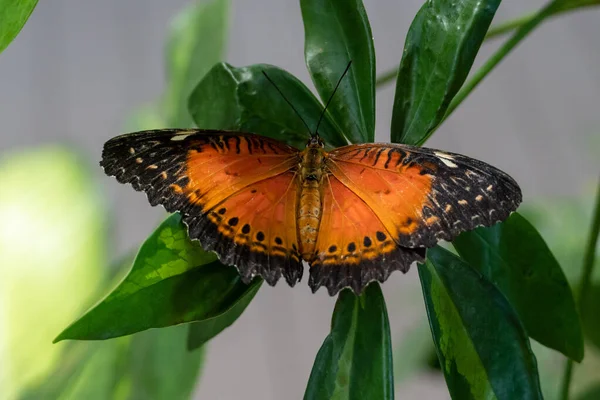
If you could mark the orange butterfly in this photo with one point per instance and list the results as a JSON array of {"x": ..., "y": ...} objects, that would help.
[{"x": 355, "y": 213}]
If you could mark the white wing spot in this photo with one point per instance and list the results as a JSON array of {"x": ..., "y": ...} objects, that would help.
[
  {"x": 448, "y": 208},
  {"x": 153, "y": 166},
  {"x": 489, "y": 188},
  {"x": 463, "y": 202},
  {"x": 479, "y": 198},
  {"x": 445, "y": 158},
  {"x": 131, "y": 150},
  {"x": 139, "y": 160},
  {"x": 180, "y": 137},
  {"x": 443, "y": 155}
]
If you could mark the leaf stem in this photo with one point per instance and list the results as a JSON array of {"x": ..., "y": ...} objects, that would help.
[{"x": 584, "y": 284}]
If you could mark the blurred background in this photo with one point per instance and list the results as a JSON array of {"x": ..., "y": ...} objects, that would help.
[{"x": 78, "y": 71}]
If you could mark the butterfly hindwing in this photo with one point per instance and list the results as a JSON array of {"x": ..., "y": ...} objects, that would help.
[
  {"x": 353, "y": 245},
  {"x": 236, "y": 192},
  {"x": 424, "y": 195}
]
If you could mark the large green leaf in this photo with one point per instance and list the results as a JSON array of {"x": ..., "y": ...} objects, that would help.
[
  {"x": 440, "y": 47},
  {"x": 13, "y": 15},
  {"x": 516, "y": 259},
  {"x": 243, "y": 99},
  {"x": 196, "y": 42},
  {"x": 355, "y": 360},
  {"x": 482, "y": 346},
  {"x": 172, "y": 281},
  {"x": 337, "y": 32}
]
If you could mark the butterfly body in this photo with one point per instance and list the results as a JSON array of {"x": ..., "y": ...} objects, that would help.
[
  {"x": 354, "y": 213},
  {"x": 309, "y": 209}
]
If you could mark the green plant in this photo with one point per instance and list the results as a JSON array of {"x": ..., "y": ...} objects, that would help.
[{"x": 505, "y": 278}]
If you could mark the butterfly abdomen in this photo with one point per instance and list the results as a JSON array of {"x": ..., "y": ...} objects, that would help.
[
  {"x": 309, "y": 207},
  {"x": 309, "y": 217}
]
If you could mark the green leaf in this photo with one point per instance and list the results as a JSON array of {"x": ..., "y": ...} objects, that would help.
[
  {"x": 172, "y": 281},
  {"x": 158, "y": 365},
  {"x": 73, "y": 358},
  {"x": 412, "y": 354},
  {"x": 590, "y": 317},
  {"x": 482, "y": 346},
  {"x": 196, "y": 42},
  {"x": 13, "y": 15},
  {"x": 153, "y": 364},
  {"x": 201, "y": 332},
  {"x": 566, "y": 5},
  {"x": 355, "y": 360},
  {"x": 440, "y": 47},
  {"x": 592, "y": 393},
  {"x": 516, "y": 259},
  {"x": 243, "y": 99},
  {"x": 337, "y": 32}
]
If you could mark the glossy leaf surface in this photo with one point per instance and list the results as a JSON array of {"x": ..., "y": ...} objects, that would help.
[
  {"x": 440, "y": 48},
  {"x": 483, "y": 348},
  {"x": 243, "y": 99},
  {"x": 516, "y": 259},
  {"x": 337, "y": 32},
  {"x": 172, "y": 281},
  {"x": 196, "y": 42},
  {"x": 355, "y": 360}
]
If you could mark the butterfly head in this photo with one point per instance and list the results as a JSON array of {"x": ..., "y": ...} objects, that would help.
[{"x": 315, "y": 141}]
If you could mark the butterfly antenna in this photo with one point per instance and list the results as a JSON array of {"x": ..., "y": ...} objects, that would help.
[
  {"x": 332, "y": 94},
  {"x": 289, "y": 102}
]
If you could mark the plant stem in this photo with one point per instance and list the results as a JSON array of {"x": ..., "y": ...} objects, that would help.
[
  {"x": 495, "y": 59},
  {"x": 584, "y": 284}
]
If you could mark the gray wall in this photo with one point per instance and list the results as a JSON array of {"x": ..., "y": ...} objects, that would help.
[{"x": 78, "y": 69}]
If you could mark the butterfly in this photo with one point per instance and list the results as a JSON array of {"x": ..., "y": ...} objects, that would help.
[{"x": 355, "y": 213}]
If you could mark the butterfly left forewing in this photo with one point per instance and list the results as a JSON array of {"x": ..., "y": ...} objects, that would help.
[
  {"x": 424, "y": 195},
  {"x": 235, "y": 191}
]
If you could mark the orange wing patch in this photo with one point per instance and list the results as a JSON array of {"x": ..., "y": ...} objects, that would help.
[
  {"x": 424, "y": 195},
  {"x": 353, "y": 246},
  {"x": 237, "y": 192}
]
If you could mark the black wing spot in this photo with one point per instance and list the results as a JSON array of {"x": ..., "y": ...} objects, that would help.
[
  {"x": 222, "y": 211},
  {"x": 380, "y": 236},
  {"x": 367, "y": 241},
  {"x": 278, "y": 241},
  {"x": 332, "y": 248},
  {"x": 352, "y": 247},
  {"x": 260, "y": 236},
  {"x": 233, "y": 221},
  {"x": 246, "y": 229}
]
